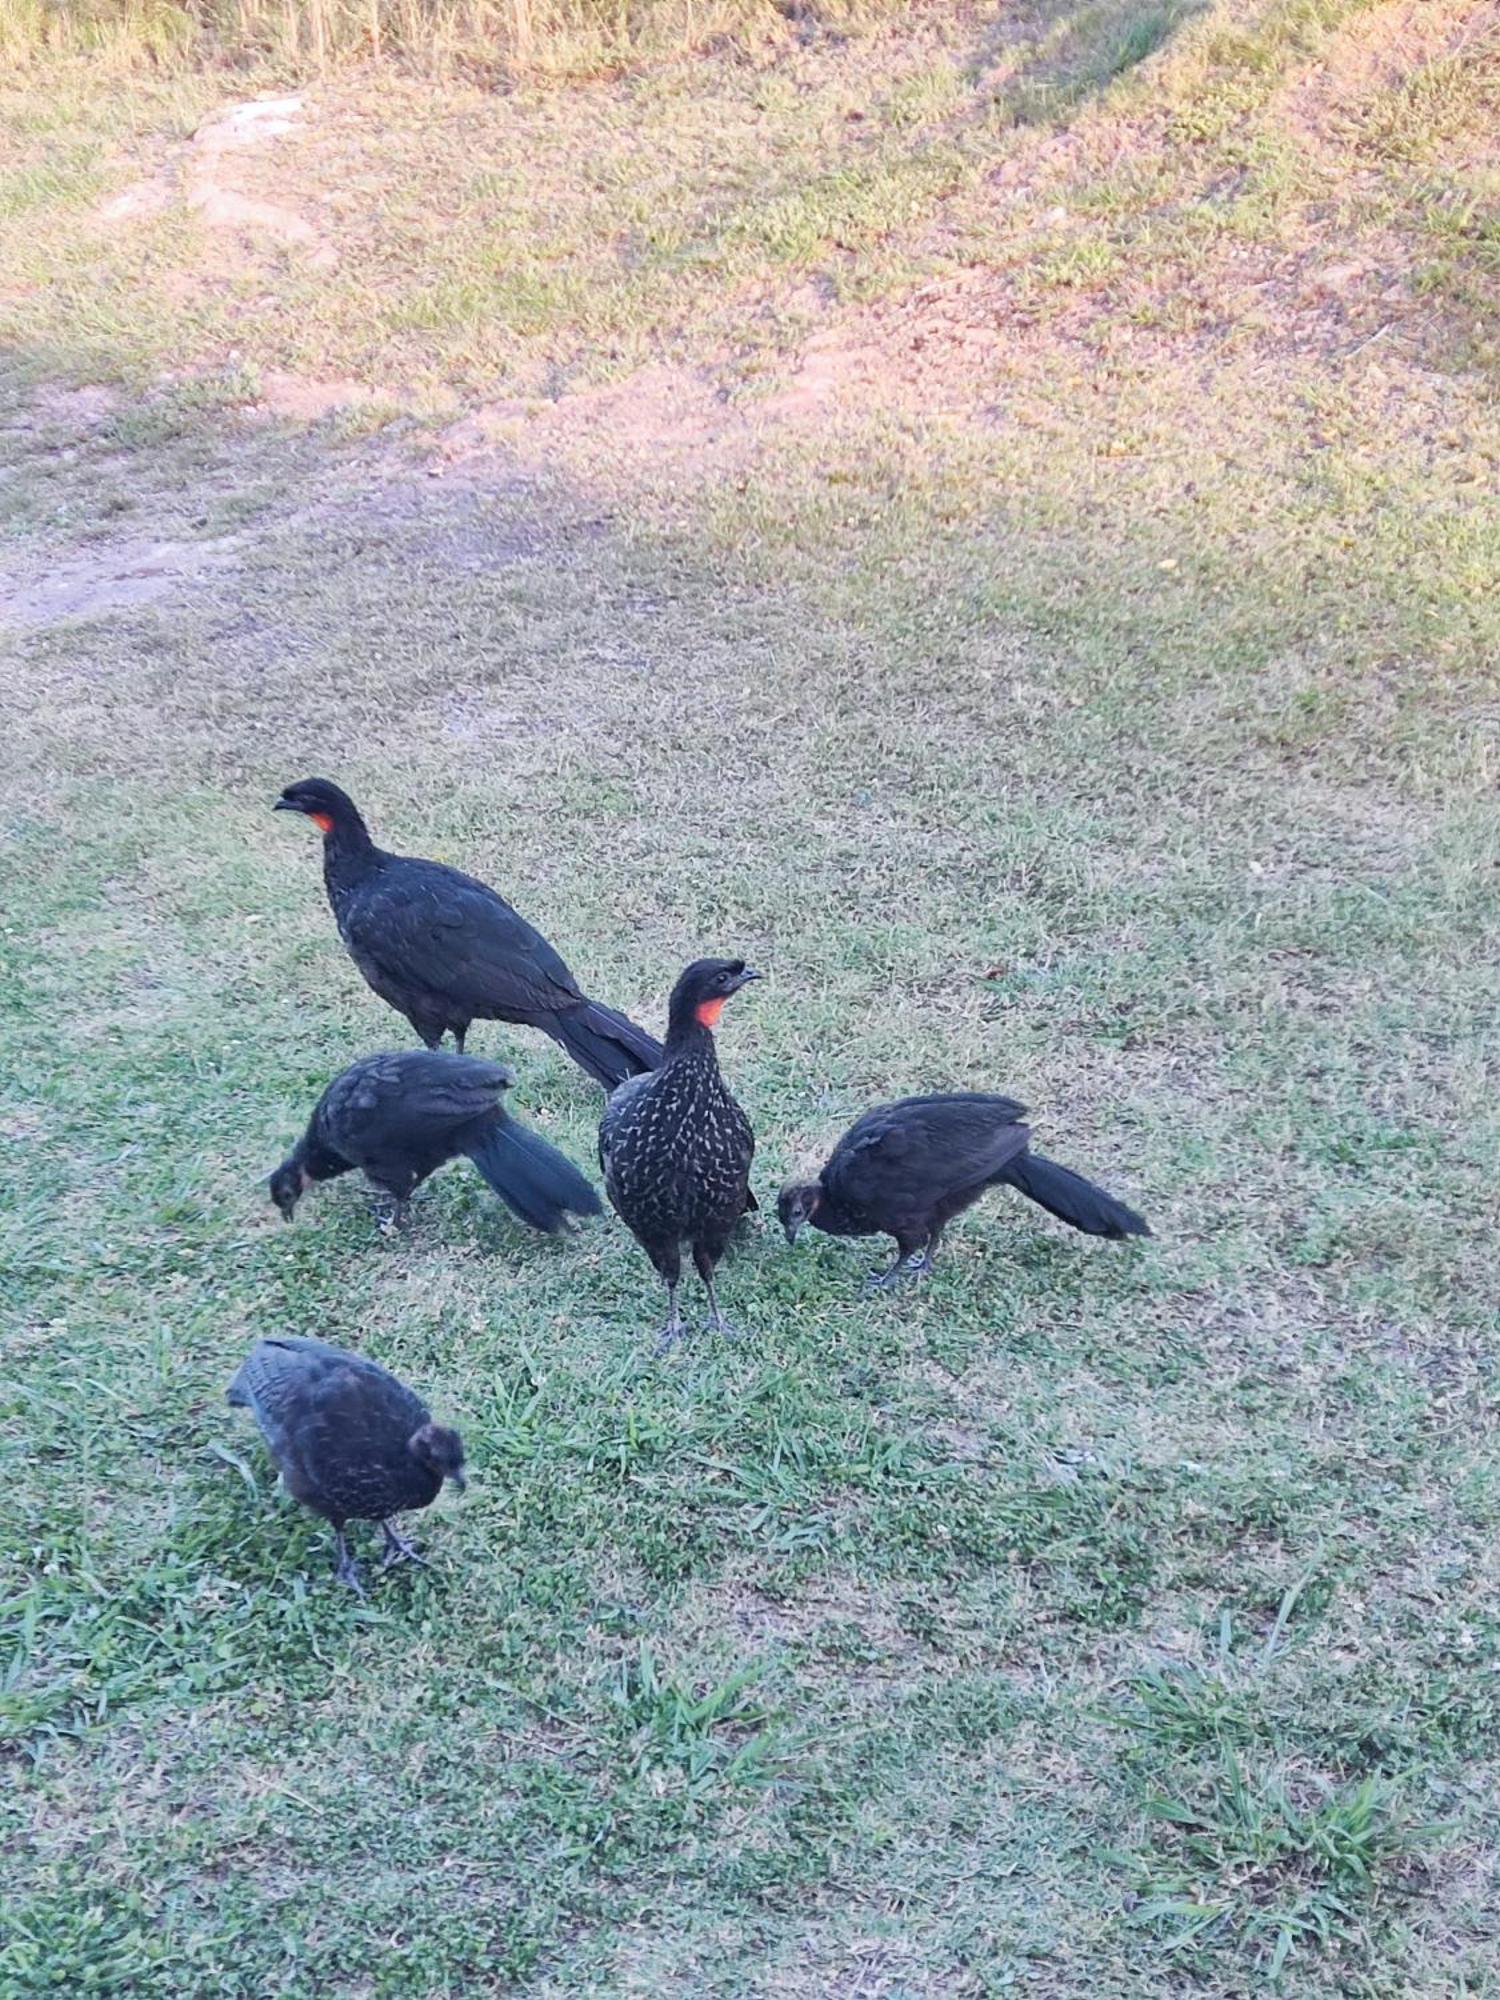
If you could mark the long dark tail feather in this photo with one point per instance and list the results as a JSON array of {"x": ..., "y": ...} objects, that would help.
[
  {"x": 1071, "y": 1198},
  {"x": 605, "y": 1043},
  {"x": 533, "y": 1178}
]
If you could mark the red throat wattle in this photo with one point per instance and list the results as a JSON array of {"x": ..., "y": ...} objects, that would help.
[
  {"x": 709, "y": 1011},
  {"x": 322, "y": 820}
]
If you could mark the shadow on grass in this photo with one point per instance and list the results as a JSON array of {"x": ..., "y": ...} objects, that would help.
[{"x": 1042, "y": 61}]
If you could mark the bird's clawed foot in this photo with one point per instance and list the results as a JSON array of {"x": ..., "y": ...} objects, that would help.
[
  {"x": 399, "y": 1549},
  {"x": 670, "y": 1334},
  {"x": 674, "y": 1329},
  {"x": 394, "y": 1219},
  {"x": 914, "y": 1266},
  {"x": 346, "y": 1569}
]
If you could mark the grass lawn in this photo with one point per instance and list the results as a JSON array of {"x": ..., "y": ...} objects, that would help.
[{"x": 992, "y": 518}]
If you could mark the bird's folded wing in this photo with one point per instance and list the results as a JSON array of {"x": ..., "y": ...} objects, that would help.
[
  {"x": 460, "y": 938},
  {"x": 944, "y": 1145},
  {"x": 440, "y": 1090}
]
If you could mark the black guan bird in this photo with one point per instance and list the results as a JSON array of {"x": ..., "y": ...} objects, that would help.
[
  {"x": 402, "y": 1115},
  {"x": 906, "y": 1169},
  {"x": 349, "y": 1440},
  {"x": 676, "y": 1148},
  {"x": 445, "y": 950}
]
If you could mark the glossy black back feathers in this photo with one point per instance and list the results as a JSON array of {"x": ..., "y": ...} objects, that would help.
[
  {"x": 445, "y": 950},
  {"x": 401, "y": 1115},
  {"x": 906, "y": 1169},
  {"x": 350, "y": 1440}
]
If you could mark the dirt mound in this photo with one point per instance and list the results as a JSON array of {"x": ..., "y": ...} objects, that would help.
[{"x": 202, "y": 176}]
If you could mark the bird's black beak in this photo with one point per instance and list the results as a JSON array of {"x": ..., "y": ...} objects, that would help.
[
  {"x": 286, "y": 806},
  {"x": 793, "y": 1226},
  {"x": 458, "y": 1480},
  {"x": 744, "y": 978}
]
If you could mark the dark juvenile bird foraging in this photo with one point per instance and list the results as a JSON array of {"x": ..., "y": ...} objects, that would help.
[
  {"x": 676, "y": 1148},
  {"x": 401, "y": 1116},
  {"x": 349, "y": 1440},
  {"x": 906, "y": 1169},
  {"x": 444, "y": 950}
]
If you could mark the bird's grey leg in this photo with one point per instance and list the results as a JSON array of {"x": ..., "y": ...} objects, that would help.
[
  {"x": 721, "y": 1325},
  {"x": 458, "y": 1037},
  {"x": 344, "y": 1569},
  {"x": 395, "y": 1213},
  {"x": 911, "y": 1262},
  {"x": 399, "y": 1549},
  {"x": 672, "y": 1332}
]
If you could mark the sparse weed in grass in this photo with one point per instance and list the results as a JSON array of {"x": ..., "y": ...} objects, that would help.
[
  {"x": 721, "y": 1737},
  {"x": 1078, "y": 265},
  {"x": 82, "y": 1940},
  {"x": 61, "y": 182},
  {"x": 847, "y": 210},
  {"x": 1264, "y": 1869},
  {"x": 176, "y": 414},
  {"x": 923, "y": 98},
  {"x": 1438, "y": 103}
]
